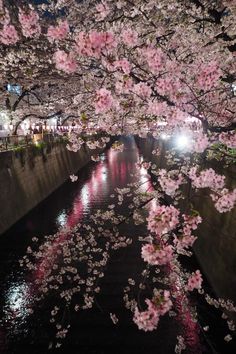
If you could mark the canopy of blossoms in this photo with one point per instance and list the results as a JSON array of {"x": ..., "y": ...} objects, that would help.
[{"x": 165, "y": 68}]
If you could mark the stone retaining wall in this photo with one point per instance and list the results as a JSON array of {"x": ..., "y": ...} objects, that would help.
[{"x": 28, "y": 176}]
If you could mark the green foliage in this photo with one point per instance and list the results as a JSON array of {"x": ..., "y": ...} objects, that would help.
[
  {"x": 64, "y": 139},
  {"x": 84, "y": 117},
  {"x": 40, "y": 145},
  {"x": 194, "y": 212},
  {"x": 221, "y": 152},
  {"x": 18, "y": 148}
]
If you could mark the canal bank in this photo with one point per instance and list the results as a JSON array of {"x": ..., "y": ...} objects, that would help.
[
  {"x": 29, "y": 175},
  {"x": 215, "y": 247}
]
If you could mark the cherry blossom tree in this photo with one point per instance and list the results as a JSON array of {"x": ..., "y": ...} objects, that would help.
[{"x": 135, "y": 67}]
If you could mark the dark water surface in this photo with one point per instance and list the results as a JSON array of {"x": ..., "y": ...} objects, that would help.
[{"x": 92, "y": 331}]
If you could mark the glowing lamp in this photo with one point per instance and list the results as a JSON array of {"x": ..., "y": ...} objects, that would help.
[{"x": 182, "y": 142}]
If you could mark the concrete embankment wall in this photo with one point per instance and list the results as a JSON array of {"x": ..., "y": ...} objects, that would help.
[
  {"x": 215, "y": 247},
  {"x": 30, "y": 175}
]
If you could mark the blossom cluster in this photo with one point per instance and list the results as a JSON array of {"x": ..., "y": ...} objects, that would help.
[
  {"x": 200, "y": 143},
  {"x": 208, "y": 76},
  {"x": 158, "y": 306},
  {"x": 94, "y": 43},
  {"x": 65, "y": 62},
  {"x": 123, "y": 64},
  {"x": 157, "y": 254},
  {"x": 104, "y": 100},
  {"x": 185, "y": 240},
  {"x": 58, "y": 32},
  {"x": 154, "y": 58},
  {"x": 163, "y": 219},
  {"x": 103, "y": 10},
  {"x": 168, "y": 183},
  {"x": 75, "y": 143},
  {"x": 142, "y": 90},
  {"x": 29, "y": 23},
  {"x": 8, "y": 35},
  {"x": 117, "y": 146},
  {"x": 225, "y": 200},
  {"x": 229, "y": 139},
  {"x": 206, "y": 179},
  {"x": 190, "y": 223},
  {"x": 129, "y": 37},
  {"x": 195, "y": 281}
]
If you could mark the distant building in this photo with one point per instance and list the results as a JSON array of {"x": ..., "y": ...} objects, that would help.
[{"x": 14, "y": 89}]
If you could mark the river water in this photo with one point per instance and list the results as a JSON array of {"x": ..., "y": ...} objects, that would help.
[{"x": 91, "y": 331}]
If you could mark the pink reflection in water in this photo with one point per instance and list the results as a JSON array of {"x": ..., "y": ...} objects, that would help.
[{"x": 107, "y": 175}]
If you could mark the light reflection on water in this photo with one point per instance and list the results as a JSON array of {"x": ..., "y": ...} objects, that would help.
[
  {"x": 61, "y": 219},
  {"x": 89, "y": 193},
  {"x": 113, "y": 170},
  {"x": 18, "y": 299},
  {"x": 16, "y": 310}
]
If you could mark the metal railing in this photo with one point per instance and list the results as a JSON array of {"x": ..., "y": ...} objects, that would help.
[{"x": 13, "y": 142}]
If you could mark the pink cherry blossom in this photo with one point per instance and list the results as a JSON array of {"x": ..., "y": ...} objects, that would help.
[
  {"x": 58, "y": 32},
  {"x": 158, "y": 306},
  {"x": 94, "y": 43},
  {"x": 117, "y": 146},
  {"x": 191, "y": 222},
  {"x": 157, "y": 255},
  {"x": 208, "y": 76},
  {"x": 8, "y": 35},
  {"x": 162, "y": 302},
  {"x": 129, "y": 37},
  {"x": 142, "y": 90},
  {"x": 229, "y": 139},
  {"x": 124, "y": 86},
  {"x": 195, "y": 281},
  {"x": 123, "y": 64},
  {"x": 146, "y": 320},
  {"x": 206, "y": 179},
  {"x": 169, "y": 86},
  {"x": 154, "y": 57},
  {"x": 29, "y": 23},
  {"x": 169, "y": 184},
  {"x": 225, "y": 200},
  {"x": 146, "y": 165},
  {"x": 103, "y": 10},
  {"x": 104, "y": 101},
  {"x": 73, "y": 178},
  {"x": 157, "y": 108},
  {"x": 200, "y": 143},
  {"x": 65, "y": 62},
  {"x": 163, "y": 219},
  {"x": 184, "y": 242}
]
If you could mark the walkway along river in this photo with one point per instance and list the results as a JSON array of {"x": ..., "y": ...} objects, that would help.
[{"x": 90, "y": 331}]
